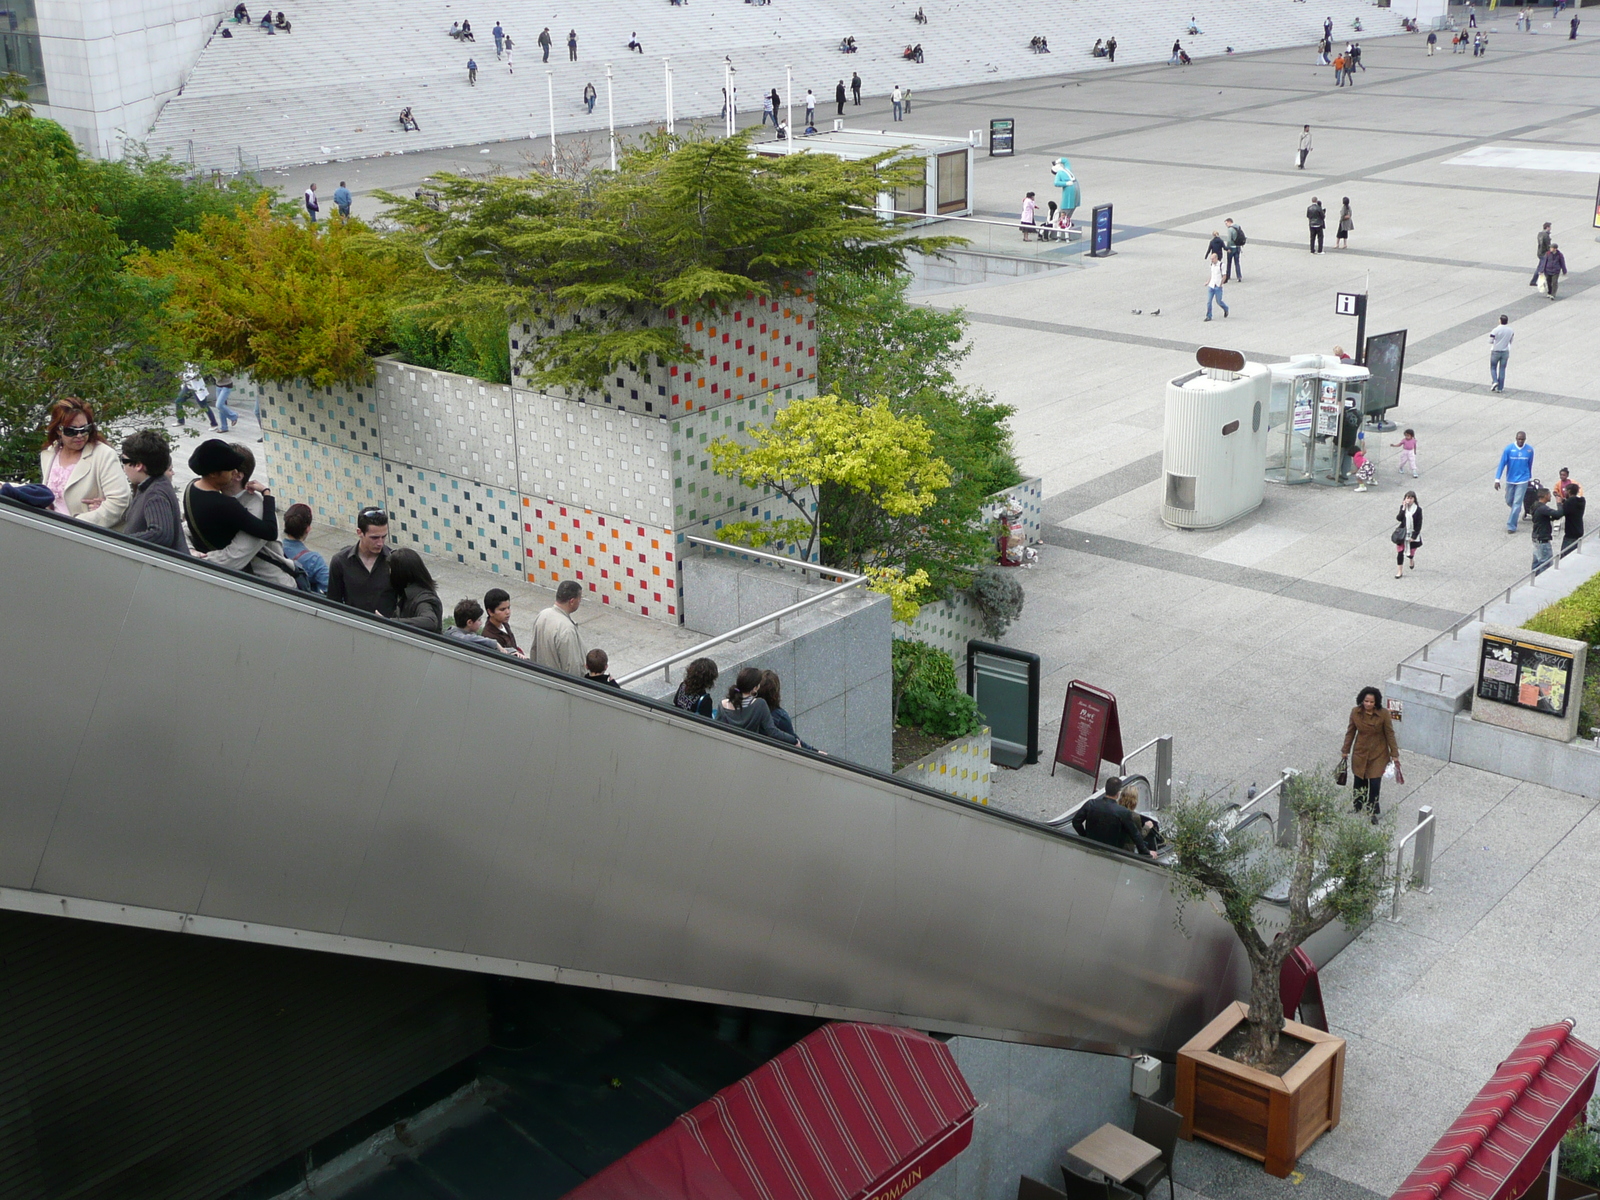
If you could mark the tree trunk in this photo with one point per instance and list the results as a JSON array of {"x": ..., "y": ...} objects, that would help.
[{"x": 1266, "y": 1008}]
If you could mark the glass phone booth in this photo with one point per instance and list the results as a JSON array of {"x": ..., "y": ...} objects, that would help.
[{"x": 1312, "y": 437}]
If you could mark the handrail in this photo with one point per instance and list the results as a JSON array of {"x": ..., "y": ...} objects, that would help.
[
  {"x": 1240, "y": 826},
  {"x": 1421, "y": 859},
  {"x": 1161, "y": 786},
  {"x": 665, "y": 665},
  {"x": 778, "y": 558}
]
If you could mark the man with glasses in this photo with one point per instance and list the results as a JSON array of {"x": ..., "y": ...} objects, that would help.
[{"x": 358, "y": 575}]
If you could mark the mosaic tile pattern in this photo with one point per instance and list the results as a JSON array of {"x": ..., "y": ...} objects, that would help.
[
  {"x": 626, "y": 563},
  {"x": 473, "y": 523},
  {"x": 334, "y": 482},
  {"x": 345, "y": 418},
  {"x": 613, "y": 462},
  {"x": 960, "y": 768},
  {"x": 448, "y": 423},
  {"x": 1030, "y": 493},
  {"x": 947, "y": 624}
]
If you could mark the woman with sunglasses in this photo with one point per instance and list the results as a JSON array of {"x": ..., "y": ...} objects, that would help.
[{"x": 81, "y": 469}]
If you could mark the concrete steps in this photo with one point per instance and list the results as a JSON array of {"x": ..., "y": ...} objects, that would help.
[{"x": 333, "y": 88}]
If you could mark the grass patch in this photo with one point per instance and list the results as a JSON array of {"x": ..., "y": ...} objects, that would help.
[{"x": 1577, "y": 616}]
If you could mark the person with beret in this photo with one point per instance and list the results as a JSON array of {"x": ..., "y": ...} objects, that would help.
[{"x": 212, "y": 515}]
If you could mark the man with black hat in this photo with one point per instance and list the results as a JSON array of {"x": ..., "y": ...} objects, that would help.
[{"x": 1103, "y": 819}]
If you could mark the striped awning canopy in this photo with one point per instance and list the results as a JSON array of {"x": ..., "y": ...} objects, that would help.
[
  {"x": 851, "y": 1112},
  {"x": 1499, "y": 1145}
]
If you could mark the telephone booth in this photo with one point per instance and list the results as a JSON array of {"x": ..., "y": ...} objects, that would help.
[{"x": 1316, "y": 411}]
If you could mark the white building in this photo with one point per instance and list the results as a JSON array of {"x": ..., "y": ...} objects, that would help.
[{"x": 104, "y": 69}]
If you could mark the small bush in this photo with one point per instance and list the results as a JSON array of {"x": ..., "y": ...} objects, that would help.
[
  {"x": 926, "y": 694},
  {"x": 997, "y": 594},
  {"x": 1576, "y": 616},
  {"x": 1580, "y": 1150}
]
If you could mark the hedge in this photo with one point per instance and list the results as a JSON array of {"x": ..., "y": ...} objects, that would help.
[{"x": 1576, "y": 617}]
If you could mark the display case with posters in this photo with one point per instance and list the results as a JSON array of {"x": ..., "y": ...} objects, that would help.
[{"x": 1532, "y": 682}]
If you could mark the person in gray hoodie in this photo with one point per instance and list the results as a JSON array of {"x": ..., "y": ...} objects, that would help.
[{"x": 154, "y": 515}]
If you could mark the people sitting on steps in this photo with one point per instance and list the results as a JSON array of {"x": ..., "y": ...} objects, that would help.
[
  {"x": 241, "y": 14},
  {"x": 1099, "y": 50},
  {"x": 847, "y": 45},
  {"x": 912, "y": 53},
  {"x": 282, "y": 22},
  {"x": 1039, "y": 45},
  {"x": 408, "y": 123},
  {"x": 921, "y": 18}
]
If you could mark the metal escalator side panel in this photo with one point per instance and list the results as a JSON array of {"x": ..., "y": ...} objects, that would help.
[{"x": 283, "y": 769}]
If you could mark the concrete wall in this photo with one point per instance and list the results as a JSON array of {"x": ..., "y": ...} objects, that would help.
[
  {"x": 1038, "y": 1101},
  {"x": 959, "y": 768},
  {"x": 111, "y": 66},
  {"x": 833, "y": 658}
]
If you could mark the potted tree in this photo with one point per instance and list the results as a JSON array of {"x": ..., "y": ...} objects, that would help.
[{"x": 1252, "y": 1081}]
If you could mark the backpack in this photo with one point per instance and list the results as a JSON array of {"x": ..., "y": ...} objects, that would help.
[{"x": 1238, "y": 236}]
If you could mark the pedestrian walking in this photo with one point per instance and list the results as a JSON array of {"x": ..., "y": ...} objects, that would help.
[
  {"x": 572, "y": 45},
  {"x": 225, "y": 415},
  {"x": 589, "y": 96},
  {"x": 1553, "y": 266},
  {"x": 1369, "y": 748},
  {"x": 1338, "y": 70},
  {"x": 1342, "y": 239},
  {"x": 1233, "y": 241},
  {"x": 1305, "y": 148},
  {"x": 1433, "y": 42},
  {"x": 1214, "y": 286},
  {"x": 855, "y": 89},
  {"x": 1573, "y": 36},
  {"x": 838, "y": 97},
  {"x": 341, "y": 200},
  {"x": 472, "y": 72},
  {"x": 1572, "y": 506},
  {"x": 767, "y": 114},
  {"x": 1317, "y": 219},
  {"x": 895, "y": 99},
  {"x": 1544, "y": 513},
  {"x": 1516, "y": 464},
  {"x": 544, "y": 42},
  {"x": 1407, "y": 535},
  {"x": 1029, "y": 208},
  {"x": 511, "y": 67},
  {"x": 1408, "y": 451},
  {"x": 1543, "y": 248},
  {"x": 811, "y": 107},
  {"x": 1499, "y": 353},
  {"x": 1355, "y": 56},
  {"x": 499, "y": 38},
  {"x": 1472, "y": 16},
  {"x": 1327, "y": 29},
  {"x": 312, "y": 207},
  {"x": 1111, "y": 49},
  {"x": 1361, "y": 466}
]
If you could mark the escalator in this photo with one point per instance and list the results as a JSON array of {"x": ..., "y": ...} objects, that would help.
[{"x": 191, "y": 750}]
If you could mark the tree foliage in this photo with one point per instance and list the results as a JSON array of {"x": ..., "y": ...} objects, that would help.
[
  {"x": 684, "y": 221},
  {"x": 866, "y": 450},
  {"x": 1335, "y": 870},
  {"x": 263, "y": 293}
]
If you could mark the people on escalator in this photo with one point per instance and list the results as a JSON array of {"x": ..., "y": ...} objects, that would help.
[
  {"x": 260, "y": 556},
  {"x": 468, "y": 620},
  {"x": 80, "y": 468},
  {"x": 556, "y": 642},
  {"x": 771, "y": 690},
  {"x": 212, "y": 515},
  {"x": 742, "y": 707},
  {"x": 154, "y": 515},
  {"x": 358, "y": 575},
  {"x": 497, "y": 621},
  {"x": 1103, "y": 819},
  {"x": 596, "y": 664},
  {"x": 694, "y": 693},
  {"x": 416, "y": 596},
  {"x": 1148, "y": 825}
]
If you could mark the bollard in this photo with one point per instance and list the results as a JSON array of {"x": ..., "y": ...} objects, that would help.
[
  {"x": 1422, "y": 853},
  {"x": 1163, "y": 788}
]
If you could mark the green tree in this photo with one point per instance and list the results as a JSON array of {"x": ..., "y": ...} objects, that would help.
[
  {"x": 150, "y": 202},
  {"x": 684, "y": 221},
  {"x": 1335, "y": 869},
  {"x": 259, "y": 292},
  {"x": 72, "y": 322}
]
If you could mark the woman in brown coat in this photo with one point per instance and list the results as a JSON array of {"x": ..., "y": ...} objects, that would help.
[{"x": 1370, "y": 747}]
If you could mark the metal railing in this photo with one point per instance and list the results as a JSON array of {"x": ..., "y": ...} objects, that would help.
[
  {"x": 1421, "y": 876},
  {"x": 1454, "y": 631},
  {"x": 775, "y": 619},
  {"x": 1161, "y": 785},
  {"x": 1283, "y": 826}
]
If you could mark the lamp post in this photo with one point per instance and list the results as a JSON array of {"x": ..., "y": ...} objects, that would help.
[
  {"x": 727, "y": 99},
  {"x": 611, "y": 119},
  {"x": 788, "y": 108},
  {"x": 550, "y": 80},
  {"x": 667, "y": 63}
]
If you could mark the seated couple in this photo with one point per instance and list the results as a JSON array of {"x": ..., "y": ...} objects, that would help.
[
  {"x": 912, "y": 53},
  {"x": 1110, "y": 819},
  {"x": 1039, "y": 45},
  {"x": 848, "y": 45}
]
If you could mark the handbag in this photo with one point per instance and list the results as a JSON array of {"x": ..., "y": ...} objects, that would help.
[
  {"x": 1398, "y": 537},
  {"x": 1399, "y": 775},
  {"x": 1343, "y": 775},
  {"x": 1544, "y": 284}
]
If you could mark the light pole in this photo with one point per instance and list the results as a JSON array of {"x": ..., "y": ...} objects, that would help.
[
  {"x": 788, "y": 108},
  {"x": 667, "y": 63},
  {"x": 727, "y": 99},
  {"x": 611, "y": 119},
  {"x": 550, "y": 79}
]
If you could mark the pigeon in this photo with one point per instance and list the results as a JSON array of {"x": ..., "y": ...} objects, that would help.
[
  {"x": 1155, "y": 312},
  {"x": 1250, "y": 792}
]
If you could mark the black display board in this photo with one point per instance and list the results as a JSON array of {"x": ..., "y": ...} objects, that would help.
[
  {"x": 1005, "y": 683},
  {"x": 1386, "y": 359},
  {"x": 1002, "y": 137},
  {"x": 1100, "y": 235},
  {"x": 1536, "y": 678}
]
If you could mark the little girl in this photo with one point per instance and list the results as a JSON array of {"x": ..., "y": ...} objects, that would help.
[
  {"x": 1408, "y": 452},
  {"x": 1365, "y": 471}
]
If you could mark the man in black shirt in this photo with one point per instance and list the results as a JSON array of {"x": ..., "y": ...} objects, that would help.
[
  {"x": 1104, "y": 820},
  {"x": 359, "y": 575},
  {"x": 1572, "y": 506},
  {"x": 1543, "y": 513}
]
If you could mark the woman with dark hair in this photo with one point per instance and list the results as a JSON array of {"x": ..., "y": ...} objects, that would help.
[
  {"x": 417, "y": 602},
  {"x": 1342, "y": 239},
  {"x": 1369, "y": 747},
  {"x": 744, "y": 708},
  {"x": 153, "y": 516},
  {"x": 771, "y": 690},
  {"x": 694, "y": 693},
  {"x": 213, "y": 514},
  {"x": 81, "y": 469},
  {"x": 1407, "y": 536}
]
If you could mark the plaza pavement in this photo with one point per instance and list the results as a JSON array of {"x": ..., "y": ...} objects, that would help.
[{"x": 1249, "y": 643}]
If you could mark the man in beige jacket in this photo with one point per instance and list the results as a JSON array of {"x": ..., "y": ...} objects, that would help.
[{"x": 556, "y": 643}]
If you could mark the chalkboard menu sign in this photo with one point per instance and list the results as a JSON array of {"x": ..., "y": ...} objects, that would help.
[
  {"x": 1002, "y": 137},
  {"x": 1526, "y": 676}
]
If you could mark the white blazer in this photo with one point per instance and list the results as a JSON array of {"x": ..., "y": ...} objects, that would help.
[{"x": 97, "y": 475}]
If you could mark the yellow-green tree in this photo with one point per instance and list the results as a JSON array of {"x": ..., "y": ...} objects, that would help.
[
  {"x": 261, "y": 293},
  {"x": 883, "y": 460}
]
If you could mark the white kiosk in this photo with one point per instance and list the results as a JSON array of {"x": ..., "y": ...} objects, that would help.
[{"x": 1214, "y": 457}]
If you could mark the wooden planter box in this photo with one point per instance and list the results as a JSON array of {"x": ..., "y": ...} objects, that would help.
[{"x": 1271, "y": 1119}]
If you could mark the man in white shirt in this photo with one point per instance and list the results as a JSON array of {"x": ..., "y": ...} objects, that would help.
[
  {"x": 556, "y": 643},
  {"x": 811, "y": 108},
  {"x": 1500, "y": 352},
  {"x": 1305, "y": 147},
  {"x": 312, "y": 207},
  {"x": 895, "y": 97},
  {"x": 1214, "y": 287}
]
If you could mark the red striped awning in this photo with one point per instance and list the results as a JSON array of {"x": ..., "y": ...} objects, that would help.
[
  {"x": 1500, "y": 1144},
  {"x": 852, "y": 1112}
]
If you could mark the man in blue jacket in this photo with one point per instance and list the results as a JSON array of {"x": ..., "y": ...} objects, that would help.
[{"x": 1516, "y": 464}]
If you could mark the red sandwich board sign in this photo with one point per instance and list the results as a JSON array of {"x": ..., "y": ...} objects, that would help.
[{"x": 1090, "y": 732}]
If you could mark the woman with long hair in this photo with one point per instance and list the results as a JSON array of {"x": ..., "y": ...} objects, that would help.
[
  {"x": 1407, "y": 535},
  {"x": 694, "y": 693},
  {"x": 742, "y": 707},
  {"x": 80, "y": 468},
  {"x": 1369, "y": 747},
  {"x": 417, "y": 602}
]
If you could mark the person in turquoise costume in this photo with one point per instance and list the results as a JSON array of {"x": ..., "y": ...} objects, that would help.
[{"x": 1068, "y": 183}]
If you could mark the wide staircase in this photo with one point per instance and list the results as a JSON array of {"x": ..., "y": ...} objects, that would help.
[{"x": 333, "y": 88}]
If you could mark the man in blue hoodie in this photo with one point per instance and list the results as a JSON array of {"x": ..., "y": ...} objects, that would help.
[{"x": 1516, "y": 464}]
